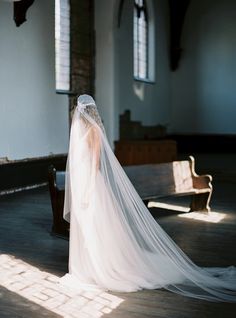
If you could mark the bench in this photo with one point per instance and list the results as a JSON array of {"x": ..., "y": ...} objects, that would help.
[
  {"x": 140, "y": 152},
  {"x": 56, "y": 183},
  {"x": 177, "y": 178}
]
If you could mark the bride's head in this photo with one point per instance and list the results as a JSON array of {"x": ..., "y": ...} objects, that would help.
[
  {"x": 85, "y": 100},
  {"x": 87, "y": 107}
]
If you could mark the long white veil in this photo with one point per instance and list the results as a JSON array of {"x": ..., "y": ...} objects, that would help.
[{"x": 132, "y": 250}]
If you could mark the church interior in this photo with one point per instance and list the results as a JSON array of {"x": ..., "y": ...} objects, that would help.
[{"x": 163, "y": 74}]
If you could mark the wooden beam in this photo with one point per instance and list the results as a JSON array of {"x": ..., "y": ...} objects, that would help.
[
  {"x": 20, "y": 9},
  {"x": 177, "y": 14}
]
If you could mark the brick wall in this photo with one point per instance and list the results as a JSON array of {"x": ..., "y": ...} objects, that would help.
[{"x": 82, "y": 49}]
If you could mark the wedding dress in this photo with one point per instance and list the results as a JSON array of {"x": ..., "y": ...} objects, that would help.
[{"x": 115, "y": 243}]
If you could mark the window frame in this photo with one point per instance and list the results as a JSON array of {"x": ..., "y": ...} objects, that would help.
[
  {"x": 59, "y": 41},
  {"x": 150, "y": 47}
]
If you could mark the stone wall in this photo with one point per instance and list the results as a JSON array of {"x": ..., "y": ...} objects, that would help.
[{"x": 82, "y": 49}]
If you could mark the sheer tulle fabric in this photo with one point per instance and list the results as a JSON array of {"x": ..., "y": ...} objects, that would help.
[{"x": 115, "y": 243}]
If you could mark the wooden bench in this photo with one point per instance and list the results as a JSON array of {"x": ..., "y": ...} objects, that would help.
[
  {"x": 140, "y": 152},
  {"x": 56, "y": 182},
  {"x": 177, "y": 178}
]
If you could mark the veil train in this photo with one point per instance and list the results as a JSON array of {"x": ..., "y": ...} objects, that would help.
[{"x": 115, "y": 243}]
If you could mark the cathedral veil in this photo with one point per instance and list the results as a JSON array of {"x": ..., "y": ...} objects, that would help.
[{"x": 126, "y": 248}]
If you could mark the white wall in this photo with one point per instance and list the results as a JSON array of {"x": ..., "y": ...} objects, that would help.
[
  {"x": 148, "y": 102},
  {"x": 115, "y": 88},
  {"x": 204, "y": 86},
  {"x": 33, "y": 118}
]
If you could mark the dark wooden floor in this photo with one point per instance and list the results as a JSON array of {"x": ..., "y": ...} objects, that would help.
[{"x": 25, "y": 224}]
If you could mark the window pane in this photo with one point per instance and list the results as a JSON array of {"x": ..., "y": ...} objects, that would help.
[
  {"x": 140, "y": 40},
  {"x": 62, "y": 44}
]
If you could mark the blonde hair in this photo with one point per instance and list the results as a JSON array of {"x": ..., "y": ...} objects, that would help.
[{"x": 92, "y": 111}]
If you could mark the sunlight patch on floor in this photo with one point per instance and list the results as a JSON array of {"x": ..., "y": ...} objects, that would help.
[
  {"x": 168, "y": 206},
  {"x": 43, "y": 289},
  {"x": 212, "y": 217}
]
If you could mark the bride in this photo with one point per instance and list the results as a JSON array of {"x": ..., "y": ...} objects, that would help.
[{"x": 115, "y": 244}]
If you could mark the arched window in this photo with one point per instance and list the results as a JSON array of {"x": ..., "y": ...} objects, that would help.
[
  {"x": 140, "y": 40},
  {"x": 62, "y": 45}
]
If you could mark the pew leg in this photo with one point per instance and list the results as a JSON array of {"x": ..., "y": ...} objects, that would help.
[
  {"x": 60, "y": 227},
  {"x": 200, "y": 202}
]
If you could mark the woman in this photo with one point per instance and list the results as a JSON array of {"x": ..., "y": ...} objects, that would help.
[{"x": 115, "y": 243}]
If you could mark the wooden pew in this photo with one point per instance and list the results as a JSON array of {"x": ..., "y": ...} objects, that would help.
[
  {"x": 152, "y": 181},
  {"x": 177, "y": 178},
  {"x": 140, "y": 152},
  {"x": 56, "y": 182}
]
